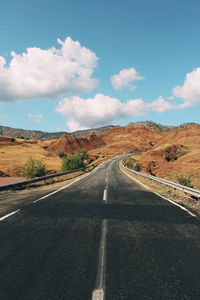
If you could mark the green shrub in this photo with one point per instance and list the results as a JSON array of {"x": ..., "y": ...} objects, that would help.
[
  {"x": 12, "y": 139},
  {"x": 84, "y": 155},
  {"x": 186, "y": 181},
  {"x": 72, "y": 162},
  {"x": 20, "y": 137},
  {"x": 137, "y": 167},
  {"x": 130, "y": 161},
  {"x": 77, "y": 155},
  {"x": 34, "y": 168},
  {"x": 61, "y": 154}
]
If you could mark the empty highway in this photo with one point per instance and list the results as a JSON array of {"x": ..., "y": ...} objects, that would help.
[{"x": 104, "y": 237}]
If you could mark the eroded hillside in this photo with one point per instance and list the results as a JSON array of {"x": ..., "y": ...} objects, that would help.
[{"x": 165, "y": 152}]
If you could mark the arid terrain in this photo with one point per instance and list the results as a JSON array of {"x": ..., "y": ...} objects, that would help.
[{"x": 164, "y": 151}]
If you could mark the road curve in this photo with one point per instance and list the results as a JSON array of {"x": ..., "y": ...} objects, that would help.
[{"x": 105, "y": 237}]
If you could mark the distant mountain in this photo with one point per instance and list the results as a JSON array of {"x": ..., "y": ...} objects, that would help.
[
  {"x": 94, "y": 130},
  {"x": 29, "y": 134},
  {"x": 41, "y": 135},
  {"x": 163, "y": 128}
]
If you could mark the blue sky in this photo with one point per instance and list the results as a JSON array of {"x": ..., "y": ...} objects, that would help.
[{"x": 150, "y": 49}]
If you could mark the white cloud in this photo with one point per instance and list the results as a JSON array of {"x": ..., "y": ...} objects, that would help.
[
  {"x": 189, "y": 92},
  {"x": 124, "y": 79},
  {"x": 39, "y": 73},
  {"x": 35, "y": 117},
  {"x": 102, "y": 110},
  {"x": 160, "y": 105}
]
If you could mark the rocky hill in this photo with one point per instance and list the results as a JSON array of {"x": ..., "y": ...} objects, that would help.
[
  {"x": 163, "y": 128},
  {"x": 92, "y": 130},
  {"x": 68, "y": 143}
]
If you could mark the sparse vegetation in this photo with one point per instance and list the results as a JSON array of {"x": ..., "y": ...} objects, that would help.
[
  {"x": 133, "y": 164},
  {"x": 186, "y": 181},
  {"x": 34, "y": 168},
  {"x": 173, "y": 144},
  {"x": 12, "y": 140}
]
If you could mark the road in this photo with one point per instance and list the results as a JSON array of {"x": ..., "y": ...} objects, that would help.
[{"x": 103, "y": 237}]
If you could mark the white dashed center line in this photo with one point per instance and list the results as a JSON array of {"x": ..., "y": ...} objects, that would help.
[
  {"x": 105, "y": 195},
  {"x": 99, "y": 292}
]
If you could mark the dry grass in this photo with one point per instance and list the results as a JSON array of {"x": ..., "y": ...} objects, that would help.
[{"x": 13, "y": 157}]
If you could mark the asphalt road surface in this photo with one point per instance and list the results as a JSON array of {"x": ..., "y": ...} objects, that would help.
[{"x": 104, "y": 237}]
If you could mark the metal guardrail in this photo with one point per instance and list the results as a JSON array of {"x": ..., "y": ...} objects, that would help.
[
  {"x": 28, "y": 182},
  {"x": 193, "y": 192}
]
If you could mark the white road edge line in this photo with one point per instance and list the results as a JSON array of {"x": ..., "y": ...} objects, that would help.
[
  {"x": 99, "y": 292},
  {"x": 9, "y": 215},
  {"x": 183, "y": 208},
  {"x": 105, "y": 195}
]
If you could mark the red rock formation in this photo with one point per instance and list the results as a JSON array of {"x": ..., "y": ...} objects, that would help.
[{"x": 68, "y": 143}]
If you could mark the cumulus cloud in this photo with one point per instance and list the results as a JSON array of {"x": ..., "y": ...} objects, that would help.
[
  {"x": 160, "y": 105},
  {"x": 125, "y": 78},
  {"x": 102, "y": 110},
  {"x": 35, "y": 117},
  {"x": 39, "y": 73},
  {"x": 189, "y": 92}
]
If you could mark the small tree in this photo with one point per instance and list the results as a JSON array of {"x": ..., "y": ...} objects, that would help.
[
  {"x": 72, "y": 162},
  {"x": 12, "y": 139},
  {"x": 34, "y": 168}
]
